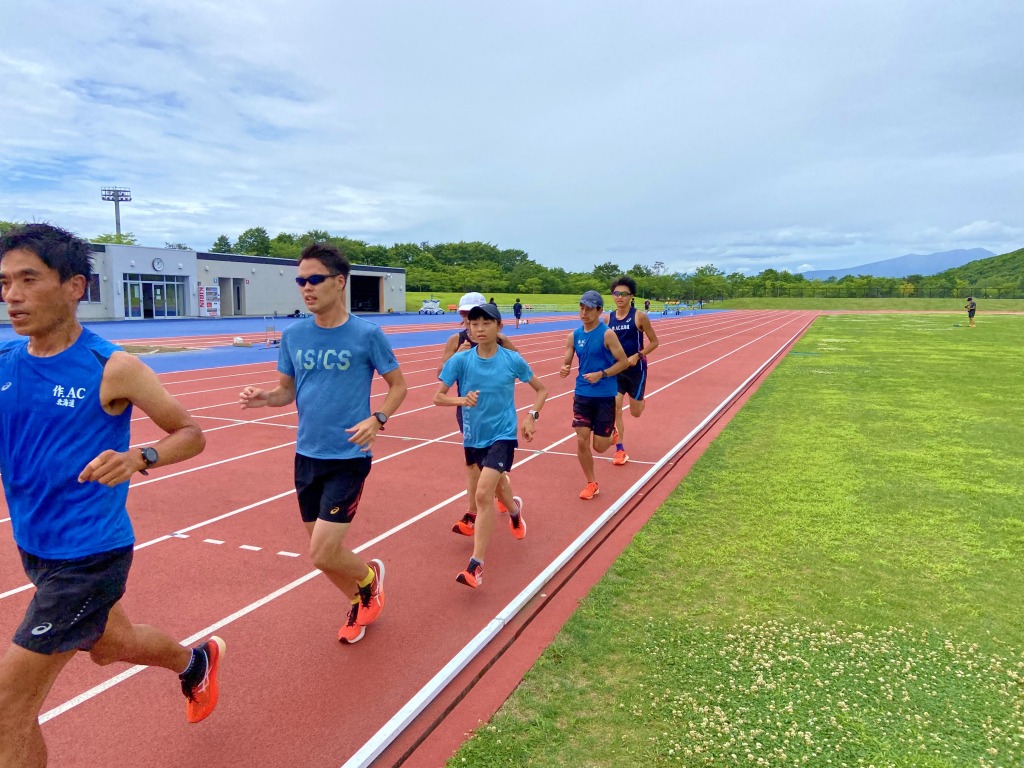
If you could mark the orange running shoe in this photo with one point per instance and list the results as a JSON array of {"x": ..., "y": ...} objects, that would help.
[
  {"x": 472, "y": 578},
  {"x": 499, "y": 505},
  {"x": 466, "y": 525},
  {"x": 202, "y": 697},
  {"x": 621, "y": 457},
  {"x": 351, "y": 631},
  {"x": 517, "y": 524},
  {"x": 589, "y": 492},
  {"x": 371, "y": 597}
]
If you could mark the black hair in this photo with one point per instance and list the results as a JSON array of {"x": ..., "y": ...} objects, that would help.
[
  {"x": 625, "y": 280},
  {"x": 60, "y": 250},
  {"x": 329, "y": 255}
]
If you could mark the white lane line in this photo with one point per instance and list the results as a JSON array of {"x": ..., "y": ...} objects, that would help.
[
  {"x": 289, "y": 554},
  {"x": 250, "y": 547},
  {"x": 210, "y": 541}
]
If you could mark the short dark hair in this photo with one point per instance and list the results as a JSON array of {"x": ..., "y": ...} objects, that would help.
[
  {"x": 329, "y": 255},
  {"x": 60, "y": 250},
  {"x": 625, "y": 280}
]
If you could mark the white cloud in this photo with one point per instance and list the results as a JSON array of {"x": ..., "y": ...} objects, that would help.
[{"x": 740, "y": 134}]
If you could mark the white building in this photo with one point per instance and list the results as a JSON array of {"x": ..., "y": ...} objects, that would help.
[{"x": 139, "y": 282}]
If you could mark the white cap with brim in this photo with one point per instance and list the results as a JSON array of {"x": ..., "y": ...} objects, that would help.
[{"x": 471, "y": 300}]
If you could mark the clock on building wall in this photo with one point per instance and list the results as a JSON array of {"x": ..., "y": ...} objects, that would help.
[{"x": 158, "y": 264}]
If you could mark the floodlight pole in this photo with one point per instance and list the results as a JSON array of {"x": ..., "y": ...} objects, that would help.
[{"x": 117, "y": 195}]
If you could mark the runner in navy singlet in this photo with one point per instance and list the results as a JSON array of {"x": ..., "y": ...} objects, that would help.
[{"x": 631, "y": 325}]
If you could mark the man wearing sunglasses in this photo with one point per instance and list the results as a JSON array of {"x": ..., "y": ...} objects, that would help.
[
  {"x": 326, "y": 366},
  {"x": 631, "y": 325}
]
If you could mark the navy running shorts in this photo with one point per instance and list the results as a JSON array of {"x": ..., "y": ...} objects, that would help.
[
  {"x": 497, "y": 456},
  {"x": 595, "y": 413},
  {"x": 329, "y": 489},
  {"x": 72, "y": 601},
  {"x": 633, "y": 381}
]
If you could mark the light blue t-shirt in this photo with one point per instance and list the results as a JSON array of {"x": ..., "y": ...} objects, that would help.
[
  {"x": 493, "y": 417},
  {"x": 594, "y": 356},
  {"x": 333, "y": 369}
]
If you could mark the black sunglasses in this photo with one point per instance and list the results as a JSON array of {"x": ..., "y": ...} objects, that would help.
[
  {"x": 314, "y": 279},
  {"x": 621, "y": 293}
]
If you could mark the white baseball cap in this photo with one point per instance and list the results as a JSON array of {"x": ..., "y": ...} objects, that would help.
[{"x": 471, "y": 300}]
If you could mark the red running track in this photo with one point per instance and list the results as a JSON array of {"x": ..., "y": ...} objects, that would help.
[{"x": 221, "y": 549}]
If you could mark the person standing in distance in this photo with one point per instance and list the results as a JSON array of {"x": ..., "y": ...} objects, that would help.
[
  {"x": 488, "y": 375},
  {"x": 66, "y": 402},
  {"x": 326, "y": 365},
  {"x": 517, "y": 310},
  {"x": 460, "y": 342},
  {"x": 593, "y": 407},
  {"x": 631, "y": 325},
  {"x": 971, "y": 306}
]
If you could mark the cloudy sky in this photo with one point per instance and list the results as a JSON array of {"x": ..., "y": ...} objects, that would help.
[{"x": 800, "y": 135}]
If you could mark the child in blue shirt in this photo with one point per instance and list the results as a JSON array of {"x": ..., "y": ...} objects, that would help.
[{"x": 488, "y": 374}]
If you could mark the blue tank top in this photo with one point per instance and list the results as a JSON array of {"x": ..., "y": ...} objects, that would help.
[
  {"x": 51, "y": 426},
  {"x": 627, "y": 330},
  {"x": 594, "y": 356}
]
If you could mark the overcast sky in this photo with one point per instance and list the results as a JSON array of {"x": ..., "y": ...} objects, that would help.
[{"x": 799, "y": 135}]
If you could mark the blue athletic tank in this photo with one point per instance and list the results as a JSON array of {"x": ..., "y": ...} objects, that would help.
[
  {"x": 629, "y": 333},
  {"x": 594, "y": 356},
  {"x": 51, "y": 426}
]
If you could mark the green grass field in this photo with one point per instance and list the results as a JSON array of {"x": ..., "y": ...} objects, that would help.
[
  {"x": 838, "y": 582},
  {"x": 566, "y": 301}
]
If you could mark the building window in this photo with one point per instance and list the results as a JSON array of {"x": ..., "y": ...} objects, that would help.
[{"x": 92, "y": 290}]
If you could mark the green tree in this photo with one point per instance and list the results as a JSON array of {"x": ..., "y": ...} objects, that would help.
[
  {"x": 221, "y": 245},
  {"x": 254, "y": 241},
  {"x": 605, "y": 273},
  {"x": 125, "y": 238},
  {"x": 7, "y": 226}
]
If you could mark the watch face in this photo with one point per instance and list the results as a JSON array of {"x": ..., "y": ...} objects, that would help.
[
  {"x": 158, "y": 264},
  {"x": 381, "y": 417},
  {"x": 150, "y": 455}
]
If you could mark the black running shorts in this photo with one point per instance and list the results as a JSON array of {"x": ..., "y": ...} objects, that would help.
[
  {"x": 633, "y": 381},
  {"x": 497, "y": 456},
  {"x": 72, "y": 601},
  {"x": 329, "y": 489},
  {"x": 595, "y": 413}
]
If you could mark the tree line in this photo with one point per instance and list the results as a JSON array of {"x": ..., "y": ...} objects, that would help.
[
  {"x": 456, "y": 267},
  {"x": 478, "y": 266}
]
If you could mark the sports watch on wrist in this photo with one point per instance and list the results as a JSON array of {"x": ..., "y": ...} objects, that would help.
[
  {"x": 150, "y": 456},
  {"x": 382, "y": 419},
  {"x": 535, "y": 414}
]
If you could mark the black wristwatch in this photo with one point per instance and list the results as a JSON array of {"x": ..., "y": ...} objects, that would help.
[
  {"x": 150, "y": 456},
  {"x": 382, "y": 419}
]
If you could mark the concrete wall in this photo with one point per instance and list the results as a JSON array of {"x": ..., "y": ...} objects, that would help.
[{"x": 249, "y": 285}]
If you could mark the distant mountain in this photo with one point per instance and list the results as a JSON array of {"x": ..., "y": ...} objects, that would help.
[{"x": 911, "y": 264}]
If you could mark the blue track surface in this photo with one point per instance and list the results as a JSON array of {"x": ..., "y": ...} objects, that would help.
[{"x": 215, "y": 357}]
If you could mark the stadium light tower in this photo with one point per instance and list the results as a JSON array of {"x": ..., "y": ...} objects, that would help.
[{"x": 117, "y": 195}]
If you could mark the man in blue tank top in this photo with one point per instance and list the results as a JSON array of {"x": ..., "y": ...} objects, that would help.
[
  {"x": 593, "y": 407},
  {"x": 66, "y": 399},
  {"x": 631, "y": 325},
  {"x": 326, "y": 365}
]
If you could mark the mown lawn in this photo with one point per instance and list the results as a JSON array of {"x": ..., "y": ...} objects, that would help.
[{"x": 838, "y": 582}]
